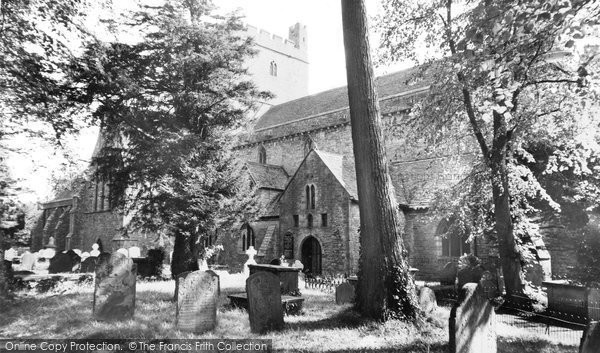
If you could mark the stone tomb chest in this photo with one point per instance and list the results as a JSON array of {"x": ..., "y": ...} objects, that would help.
[{"x": 288, "y": 276}]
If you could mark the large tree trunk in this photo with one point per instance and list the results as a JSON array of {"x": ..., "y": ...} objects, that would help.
[
  {"x": 385, "y": 288},
  {"x": 4, "y": 290},
  {"x": 184, "y": 257},
  {"x": 510, "y": 258}
]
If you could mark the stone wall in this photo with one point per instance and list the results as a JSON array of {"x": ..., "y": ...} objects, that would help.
[{"x": 331, "y": 199}]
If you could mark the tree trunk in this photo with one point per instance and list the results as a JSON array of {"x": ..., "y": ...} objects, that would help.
[
  {"x": 385, "y": 288},
  {"x": 510, "y": 258},
  {"x": 184, "y": 256},
  {"x": 4, "y": 290}
]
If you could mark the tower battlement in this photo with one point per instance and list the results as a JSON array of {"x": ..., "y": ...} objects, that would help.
[{"x": 295, "y": 45}]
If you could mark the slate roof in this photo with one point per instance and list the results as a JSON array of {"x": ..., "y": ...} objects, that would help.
[
  {"x": 336, "y": 99},
  {"x": 343, "y": 170},
  {"x": 268, "y": 175}
]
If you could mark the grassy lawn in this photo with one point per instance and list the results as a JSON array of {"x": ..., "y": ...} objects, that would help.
[{"x": 66, "y": 312}]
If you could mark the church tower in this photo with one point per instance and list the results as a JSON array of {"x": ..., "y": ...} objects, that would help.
[{"x": 281, "y": 64}]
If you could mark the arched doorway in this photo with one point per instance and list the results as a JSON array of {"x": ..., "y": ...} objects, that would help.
[{"x": 311, "y": 256}]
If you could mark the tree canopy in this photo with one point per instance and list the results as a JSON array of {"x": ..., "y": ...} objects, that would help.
[
  {"x": 167, "y": 105},
  {"x": 510, "y": 74}
]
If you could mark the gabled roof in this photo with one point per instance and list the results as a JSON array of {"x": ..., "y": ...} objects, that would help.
[
  {"x": 341, "y": 168},
  {"x": 343, "y": 171},
  {"x": 336, "y": 99},
  {"x": 268, "y": 176}
]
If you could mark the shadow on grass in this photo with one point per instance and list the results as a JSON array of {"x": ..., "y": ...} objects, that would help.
[
  {"x": 415, "y": 347},
  {"x": 532, "y": 346},
  {"x": 347, "y": 318}
]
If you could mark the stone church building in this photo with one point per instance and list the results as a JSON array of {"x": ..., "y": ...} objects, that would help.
[{"x": 299, "y": 155}]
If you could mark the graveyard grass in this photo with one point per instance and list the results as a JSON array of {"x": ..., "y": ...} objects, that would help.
[{"x": 66, "y": 312}]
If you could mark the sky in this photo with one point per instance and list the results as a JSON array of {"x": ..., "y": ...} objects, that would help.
[
  {"x": 326, "y": 70},
  {"x": 324, "y": 29}
]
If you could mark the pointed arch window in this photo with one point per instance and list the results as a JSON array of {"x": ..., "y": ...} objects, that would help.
[
  {"x": 453, "y": 243},
  {"x": 247, "y": 238},
  {"x": 310, "y": 197},
  {"x": 262, "y": 155},
  {"x": 273, "y": 68},
  {"x": 309, "y": 221}
]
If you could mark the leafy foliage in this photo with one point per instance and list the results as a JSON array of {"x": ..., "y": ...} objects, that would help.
[
  {"x": 513, "y": 74},
  {"x": 166, "y": 105}
]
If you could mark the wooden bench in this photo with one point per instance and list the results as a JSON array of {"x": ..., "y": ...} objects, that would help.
[{"x": 291, "y": 305}]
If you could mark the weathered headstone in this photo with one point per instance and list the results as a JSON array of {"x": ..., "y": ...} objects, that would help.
[
  {"x": 448, "y": 274},
  {"x": 114, "y": 289},
  {"x": 41, "y": 264},
  {"x": 344, "y": 293},
  {"x": 472, "y": 322},
  {"x": 78, "y": 252},
  {"x": 590, "y": 341},
  {"x": 427, "y": 301},
  {"x": 89, "y": 264},
  {"x": 135, "y": 251},
  {"x": 197, "y": 301},
  {"x": 10, "y": 254},
  {"x": 298, "y": 264},
  {"x": 95, "y": 252},
  {"x": 27, "y": 261},
  {"x": 64, "y": 262},
  {"x": 489, "y": 284},
  {"x": 123, "y": 251},
  {"x": 264, "y": 302}
]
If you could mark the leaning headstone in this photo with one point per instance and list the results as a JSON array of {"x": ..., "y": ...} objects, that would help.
[
  {"x": 27, "y": 261},
  {"x": 197, "y": 301},
  {"x": 472, "y": 322},
  {"x": 264, "y": 302},
  {"x": 344, "y": 293},
  {"x": 427, "y": 301},
  {"x": 134, "y": 251},
  {"x": 114, "y": 288},
  {"x": 590, "y": 341}
]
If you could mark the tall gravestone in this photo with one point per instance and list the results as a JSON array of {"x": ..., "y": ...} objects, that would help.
[
  {"x": 590, "y": 341},
  {"x": 27, "y": 261},
  {"x": 264, "y": 302},
  {"x": 472, "y": 322},
  {"x": 114, "y": 289},
  {"x": 197, "y": 300}
]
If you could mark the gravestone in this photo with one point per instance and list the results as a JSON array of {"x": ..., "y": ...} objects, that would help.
[
  {"x": 27, "y": 261},
  {"x": 489, "y": 284},
  {"x": 78, "y": 252},
  {"x": 123, "y": 251},
  {"x": 448, "y": 274},
  {"x": 95, "y": 252},
  {"x": 134, "y": 251},
  {"x": 251, "y": 252},
  {"x": 114, "y": 288},
  {"x": 84, "y": 255},
  {"x": 197, "y": 300},
  {"x": 427, "y": 301},
  {"x": 88, "y": 264},
  {"x": 10, "y": 254},
  {"x": 344, "y": 293},
  {"x": 41, "y": 264},
  {"x": 264, "y": 302},
  {"x": 469, "y": 275},
  {"x": 590, "y": 341},
  {"x": 472, "y": 322},
  {"x": 64, "y": 262},
  {"x": 298, "y": 264}
]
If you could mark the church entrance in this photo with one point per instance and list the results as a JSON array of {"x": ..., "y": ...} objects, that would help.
[{"x": 311, "y": 256}]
